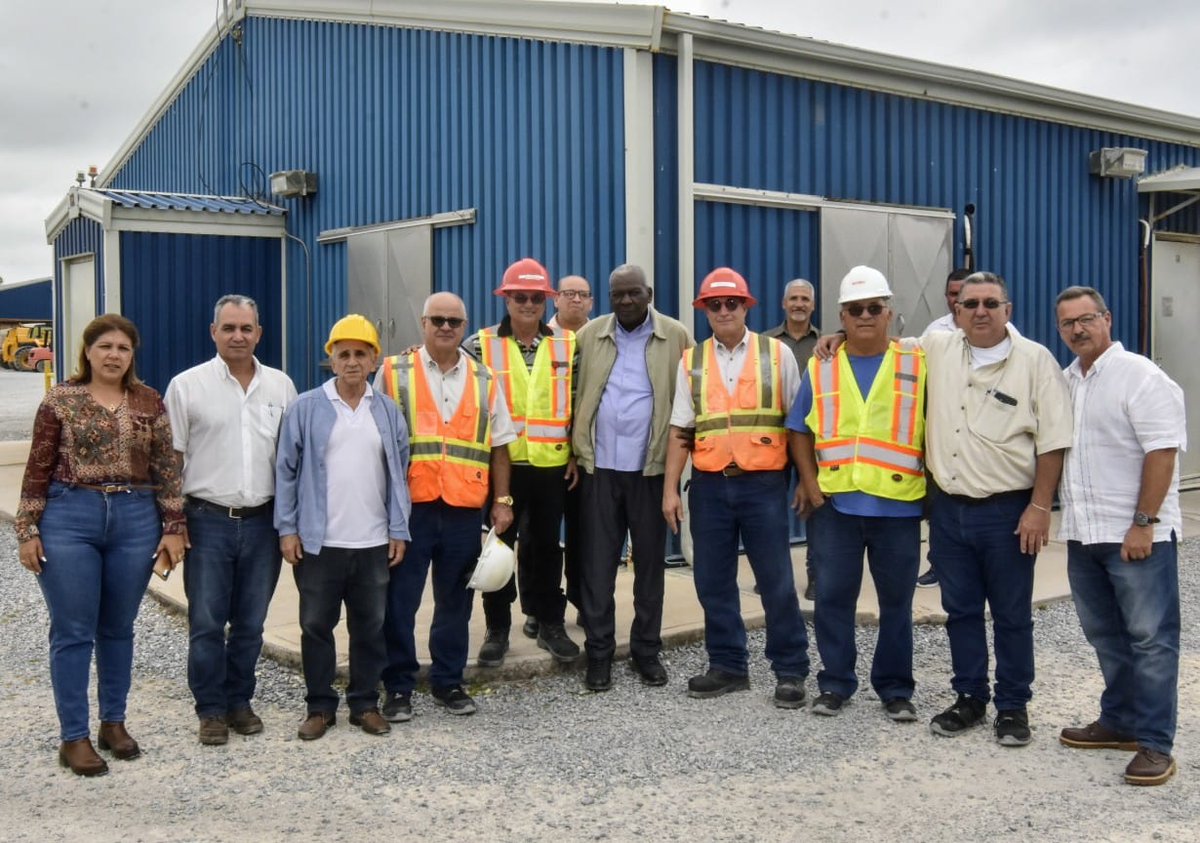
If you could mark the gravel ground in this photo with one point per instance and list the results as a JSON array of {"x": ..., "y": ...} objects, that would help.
[{"x": 545, "y": 760}]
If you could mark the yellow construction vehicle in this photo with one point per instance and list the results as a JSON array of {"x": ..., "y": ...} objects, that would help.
[{"x": 22, "y": 339}]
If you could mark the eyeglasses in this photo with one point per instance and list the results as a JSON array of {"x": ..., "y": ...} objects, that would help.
[
  {"x": 577, "y": 295},
  {"x": 442, "y": 321},
  {"x": 730, "y": 304},
  {"x": 522, "y": 298},
  {"x": 990, "y": 304},
  {"x": 856, "y": 310},
  {"x": 1085, "y": 321}
]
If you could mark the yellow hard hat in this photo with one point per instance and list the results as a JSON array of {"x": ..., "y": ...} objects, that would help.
[{"x": 353, "y": 327}]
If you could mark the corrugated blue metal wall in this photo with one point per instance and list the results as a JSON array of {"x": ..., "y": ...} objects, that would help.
[
  {"x": 407, "y": 123},
  {"x": 169, "y": 283},
  {"x": 1042, "y": 220},
  {"x": 28, "y": 302}
]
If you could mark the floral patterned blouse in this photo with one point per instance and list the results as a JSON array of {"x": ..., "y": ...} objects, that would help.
[{"x": 76, "y": 440}]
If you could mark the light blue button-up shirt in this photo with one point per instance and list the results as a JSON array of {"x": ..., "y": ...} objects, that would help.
[{"x": 627, "y": 403}]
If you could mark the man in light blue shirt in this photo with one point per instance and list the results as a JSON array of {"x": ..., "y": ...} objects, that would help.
[{"x": 628, "y": 362}]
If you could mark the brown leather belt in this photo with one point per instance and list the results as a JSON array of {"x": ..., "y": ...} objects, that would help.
[
  {"x": 115, "y": 488},
  {"x": 233, "y": 511}
]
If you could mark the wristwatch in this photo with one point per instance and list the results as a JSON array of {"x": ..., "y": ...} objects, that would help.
[
  {"x": 1141, "y": 519},
  {"x": 507, "y": 500}
]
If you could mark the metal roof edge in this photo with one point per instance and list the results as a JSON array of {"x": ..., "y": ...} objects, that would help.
[
  {"x": 208, "y": 44},
  {"x": 606, "y": 24},
  {"x": 28, "y": 282},
  {"x": 737, "y": 44}
]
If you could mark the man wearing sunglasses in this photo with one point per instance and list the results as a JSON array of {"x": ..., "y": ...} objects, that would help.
[
  {"x": 460, "y": 428},
  {"x": 534, "y": 365},
  {"x": 1121, "y": 521},
  {"x": 858, "y": 439},
  {"x": 628, "y": 361},
  {"x": 732, "y": 393}
]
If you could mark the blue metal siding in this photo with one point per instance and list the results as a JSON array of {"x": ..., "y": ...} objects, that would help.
[
  {"x": 666, "y": 185},
  {"x": 28, "y": 302},
  {"x": 169, "y": 283},
  {"x": 1042, "y": 220},
  {"x": 401, "y": 123}
]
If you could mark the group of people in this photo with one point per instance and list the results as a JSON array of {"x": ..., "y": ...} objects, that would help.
[{"x": 367, "y": 487}]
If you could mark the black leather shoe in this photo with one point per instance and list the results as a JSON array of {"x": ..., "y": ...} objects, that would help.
[
  {"x": 553, "y": 638},
  {"x": 715, "y": 683},
  {"x": 495, "y": 645},
  {"x": 599, "y": 674},
  {"x": 530, "y": 628},
  {"x": 650, "y": 670}
]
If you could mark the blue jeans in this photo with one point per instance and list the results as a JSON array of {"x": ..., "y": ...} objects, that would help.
[
  {"x": 99, "y": 551},
  {"x": 357, "y": 577},
  {"x": 754, "y": 507},
  {"x": 230, "y": 576},
  {"x": 979, "y": 560},
  {"x": 893, "y": 548},
  {"x": 1129, "y": 612},
  {"x": 448, "y": 539}
]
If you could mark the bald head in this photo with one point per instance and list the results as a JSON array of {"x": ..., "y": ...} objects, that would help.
[
  {"x": 573, "y": 303},
  {"x": 442, "y": 303}
]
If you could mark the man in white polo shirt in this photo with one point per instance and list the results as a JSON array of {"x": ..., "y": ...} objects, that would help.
[
  {"x": 225, "y": 416},
  {"x": 1121, "y": 521}
]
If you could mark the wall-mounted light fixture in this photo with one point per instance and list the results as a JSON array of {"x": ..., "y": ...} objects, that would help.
[
  {"x": 1118, "y": 162},
  {"x": 293, "y": 183}
]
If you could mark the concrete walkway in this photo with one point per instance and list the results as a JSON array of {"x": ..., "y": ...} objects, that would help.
[{"x": 683, "y": 620}]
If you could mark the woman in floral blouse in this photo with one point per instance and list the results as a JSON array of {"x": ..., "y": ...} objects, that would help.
[{"x": 100, "y": 503}]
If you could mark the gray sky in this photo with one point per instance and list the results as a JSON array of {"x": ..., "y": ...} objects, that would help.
[{"x": 77, "y": 75}]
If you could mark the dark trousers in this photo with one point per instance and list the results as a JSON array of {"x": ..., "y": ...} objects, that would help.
[
  {"x": 447, "y": 539},
  {"x": 618, "y": 502},
  {"x": 752, "y": 507},
  {"x": 537, "y": 519},
  {"x": 359, "y": 578},
  {"x": 230, "y": 576},
  {"x": 572, "y": 553},
  {"x": 979, "y": 561}
]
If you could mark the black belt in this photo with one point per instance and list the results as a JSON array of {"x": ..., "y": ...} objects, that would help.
[
  {"x": 999, "y": 496},
  {"x": 232, "y": 511}
]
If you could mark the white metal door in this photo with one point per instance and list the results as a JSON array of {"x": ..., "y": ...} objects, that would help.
[
  {"x": 78, "y": 308},
  {"x": 848, "y": 238},
  {"x": 1175, "y": 306}
]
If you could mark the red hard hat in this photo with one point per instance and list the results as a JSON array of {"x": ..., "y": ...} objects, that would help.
[
  {"x": 526, "y": 275},
  {"x": 723, "y": 282}
]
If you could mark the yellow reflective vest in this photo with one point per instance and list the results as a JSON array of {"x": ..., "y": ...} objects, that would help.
[
  {"x": 744, "y": 429},
  {"x": 876, "y": 445},
  {"x": 448, "y": 460},
  {"x": 538, "y": 398}
]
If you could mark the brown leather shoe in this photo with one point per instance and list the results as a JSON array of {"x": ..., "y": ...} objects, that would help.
[
  {"x": 1096, "y": 736},
  {"x": 315, "y": 725},
  {"x": 81, "y": 758},
  {"x": 245, "y": 722},
  {"x": 1149, "y": 767},
  {"x": 371, "y": 722},
  {"x": 213, "y": 731},
  {"x": 116, "y": 740}
]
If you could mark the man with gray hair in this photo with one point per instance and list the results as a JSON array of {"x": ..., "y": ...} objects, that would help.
[
  {"x": 225, "y": 416},
  {"x": 799, "y": 334}
]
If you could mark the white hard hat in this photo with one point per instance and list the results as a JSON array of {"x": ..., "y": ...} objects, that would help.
[
  {"x": 495, "y": 566},
  {"x": 863, "y": 282}
]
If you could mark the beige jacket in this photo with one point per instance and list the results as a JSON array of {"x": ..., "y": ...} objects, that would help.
[{"x": 597, "y": 348}]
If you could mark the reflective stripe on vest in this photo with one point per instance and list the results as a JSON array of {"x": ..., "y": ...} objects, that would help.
[
  {"x": 745, "y": 428},
  {"x": 873, "y": 445},
  {"x": 538, "y": 398},
  {"x": 448, "y": 460}
]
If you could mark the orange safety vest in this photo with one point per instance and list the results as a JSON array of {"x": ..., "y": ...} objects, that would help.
[
  {"x": 448, "y": 460},
  {"x": 747, "y": 428},
  {"x": 538, "y": 398},
  {"x": 874, "y": 444}
]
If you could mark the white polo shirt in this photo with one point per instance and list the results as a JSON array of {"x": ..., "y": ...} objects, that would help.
[
  {"x": 1124, "y": 408},
  {"x": 227, "y": 435},
  {"x": 355, "y": 477}
]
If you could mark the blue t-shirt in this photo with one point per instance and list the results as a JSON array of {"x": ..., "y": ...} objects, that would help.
[{"x": 852, "y": 503}]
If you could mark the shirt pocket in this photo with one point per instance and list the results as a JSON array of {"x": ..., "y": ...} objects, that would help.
[
  {"x": 996, "y": 420},
  {"x": 269, "y": 416}
]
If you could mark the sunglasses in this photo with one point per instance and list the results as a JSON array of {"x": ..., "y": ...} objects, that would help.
[
  {"x": 730, "y": 304},
  {"x": 522, "y": 298},
  {"x": 972, "y": 304},
  {"x": 442, "y": 321},
  {"x": 857, "y": 310}
]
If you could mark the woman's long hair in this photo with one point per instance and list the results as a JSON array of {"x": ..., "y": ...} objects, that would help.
[{"x": 97, "y": 328}]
